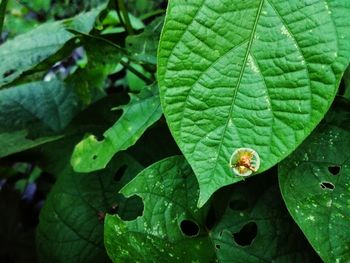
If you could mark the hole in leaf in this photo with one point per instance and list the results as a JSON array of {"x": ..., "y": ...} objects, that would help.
[
  {"x": 239, "y": 205},
  {"x": 327, "y": 185},
  {"x": 335, "y": 170},
  {"x": 8, "y": 73},
  {"x": 217, "y": 246},
  {"x": 94, "y": 157},
  {"x": 119, "y": 174},
  {"x": 189, "y": 228},
  {"x": 246, "y": 235},
  {"x": 130, "y": 208}
]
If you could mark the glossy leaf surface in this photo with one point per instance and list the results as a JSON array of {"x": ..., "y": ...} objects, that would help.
[{"x": 259, "y": 74}]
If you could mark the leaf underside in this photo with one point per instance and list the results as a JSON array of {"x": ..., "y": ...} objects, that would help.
[{"x": 257, "y": 74}]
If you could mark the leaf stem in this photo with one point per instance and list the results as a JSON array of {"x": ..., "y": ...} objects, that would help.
[
  {"x": 147, "y": 80},
  {"x": 126, "y": 22},
  {"x": 2, "y": 14}
]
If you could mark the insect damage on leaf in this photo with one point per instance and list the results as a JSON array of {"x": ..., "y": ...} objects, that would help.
[{"x": 244, "y": 161}]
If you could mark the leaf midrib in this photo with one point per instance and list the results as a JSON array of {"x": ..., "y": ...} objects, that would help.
[{"x": 250, "y": 42}]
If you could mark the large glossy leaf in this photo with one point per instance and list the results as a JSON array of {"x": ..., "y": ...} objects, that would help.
[
  {"x": 30, "y": 49},
  {"x": 254, "y": 227},
  {"x": 258, "y": 74},
  {"x": 33, "y": 113},
  {"x": 141, "y": 112},
  {"x": 71, "y": 222},
  {"x": 315, "y": 185}
]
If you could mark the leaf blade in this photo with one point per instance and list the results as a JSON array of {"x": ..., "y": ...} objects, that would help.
[{"x": 258, "y": 83}]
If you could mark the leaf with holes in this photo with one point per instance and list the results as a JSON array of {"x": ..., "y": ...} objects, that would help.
[
  {"x": 315, "y": 185},
  {"x": 142, "y": 111},
  {"x": 32, "y": 114},
  {"x": 71, "y": 222},
  {"x": 169, "y": 192},
  {"x": 255, "y": 227},
  {"x": 26, "y": 51},
  {"x": 173, "y": 229},
  {"x": 258, "y": 74}
]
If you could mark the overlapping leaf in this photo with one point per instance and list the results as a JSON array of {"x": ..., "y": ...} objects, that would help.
[
  {"x": 254, "y": 227},
  {"x": 71, "y": 222},
  {"x": 258, "y": 74},
  {"x": 30, "y": 49},
  {"x": 31, "y": 113},
  {"x": 315, "y": 185},
  {"x": 141, "y": 112}
]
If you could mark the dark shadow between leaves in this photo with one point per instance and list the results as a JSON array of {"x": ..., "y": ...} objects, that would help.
[
  {"x": 120, "y": 172},
  {"x": 238, "y": 205},
  {"x": 246, "y": 235},
  {"x": 189, "y": 228}
]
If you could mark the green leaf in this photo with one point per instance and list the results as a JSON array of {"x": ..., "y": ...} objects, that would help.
[
  {"x": 33, "y": 113},
  {"x": 169, "y": 191},
  {"x": 142, "y": 111},
  {"x": 30, "y": 49},
  {"x": 314, "y": 182},
  {"x": 71, "y": 221},
  {"x": 89, "y": 82},
  {"x": 144, "y": 46},
  {"x": 173, "y": 229},
  {"x": 257, "y": 74}
]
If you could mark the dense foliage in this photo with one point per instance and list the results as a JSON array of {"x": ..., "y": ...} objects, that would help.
[{"x": 179, "y": 131}]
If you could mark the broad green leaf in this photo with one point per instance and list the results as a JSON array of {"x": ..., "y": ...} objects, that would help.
[
  {"x": 33, "y": 113},
  {"x": 144, "y": 46},
  {"x": 314, "y": 182},
  {"x": 71, "y": 221},
  {"x": 30, "y": 49},
  {"x": 141, "y": 112},
  {"x": 259, "y": 74},
  {"x": 173, "y": 229},
  {"x": 169, "y": 192}
]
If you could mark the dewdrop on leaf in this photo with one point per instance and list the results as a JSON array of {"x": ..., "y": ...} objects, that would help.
[{"x": 244, "y": 162}]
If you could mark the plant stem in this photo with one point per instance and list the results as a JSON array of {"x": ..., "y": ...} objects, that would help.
[
  {"x": 126, "y": 22},
  {"x": 147, "y": 80},
  {"x": 2, "y": 14}
]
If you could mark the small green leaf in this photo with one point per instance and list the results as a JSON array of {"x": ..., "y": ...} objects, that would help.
[
  {"x": 173, "y": 229},
  {"x": 314, "y": 182},
  {"x": 30, "y": 49},
  {"x": 142, "y": 111},
  {"x": 258, "y": 74},
  {"x": 71, "y": 221},
  {"x": 33, "y": 113},
  {"x": 144, "y": 46}
]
